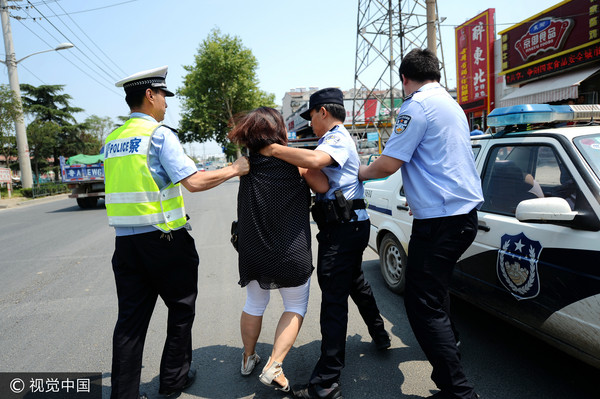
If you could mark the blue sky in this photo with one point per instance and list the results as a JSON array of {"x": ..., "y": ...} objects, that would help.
[{"x": 297, "y": 43}]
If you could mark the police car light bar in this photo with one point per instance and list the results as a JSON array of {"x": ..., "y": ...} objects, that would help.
[{"x": 542, "y": 113}]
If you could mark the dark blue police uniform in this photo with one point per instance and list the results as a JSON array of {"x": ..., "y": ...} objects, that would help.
[{"x": 339, "y": 271}]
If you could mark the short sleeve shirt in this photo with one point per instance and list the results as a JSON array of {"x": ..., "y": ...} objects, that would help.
[
  {"x": 167, "y": 162},
  {"x": 431, "y": 137},
  {"x": 343, "y": 173}
]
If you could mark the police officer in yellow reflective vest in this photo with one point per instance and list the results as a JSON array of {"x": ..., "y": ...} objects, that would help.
[{"x": 145, "y": 167}]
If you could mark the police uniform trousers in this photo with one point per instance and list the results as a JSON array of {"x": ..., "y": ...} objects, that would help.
[
  {"x": 434, "y": 248},
  {"x": 147, "y": 266},
  {"x": 340, "y": 275}
]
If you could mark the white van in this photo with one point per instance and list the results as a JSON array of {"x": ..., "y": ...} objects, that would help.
[{"x": 536, "y": 258}]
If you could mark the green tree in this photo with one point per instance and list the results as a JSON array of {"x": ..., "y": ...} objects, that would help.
[
  {"x": 42, "y": 136},
  {"x": 99, "y": 127},
  {"x": 9, "y": 112},
  {"x": 47, "y": 103},
  {"x": 221, "y": 84}
]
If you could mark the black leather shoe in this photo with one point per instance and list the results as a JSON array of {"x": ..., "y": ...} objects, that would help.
[
  {"x": 382, "y": 342},
  {"x": 191, "y": 377},
  {"x": 309, "y": 392},
  {"x": 443, "y": 395}
]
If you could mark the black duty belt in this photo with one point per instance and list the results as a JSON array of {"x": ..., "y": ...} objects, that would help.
[{"x": 337, "y": 210}]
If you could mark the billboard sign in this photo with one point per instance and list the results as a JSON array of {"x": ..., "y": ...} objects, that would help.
[
  {"x": 5, "y": 176},
  {"x": 475, "y": 62},
  {"x": 562, "y": 37}
]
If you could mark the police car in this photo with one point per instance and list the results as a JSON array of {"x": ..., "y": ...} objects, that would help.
[{"x": 536, "y": 258}]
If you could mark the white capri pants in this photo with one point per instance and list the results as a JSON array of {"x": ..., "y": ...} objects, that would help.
[{"x": 295, "y": 299}]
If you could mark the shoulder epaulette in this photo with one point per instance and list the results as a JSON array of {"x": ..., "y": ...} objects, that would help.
[{"x": 169, "y": 127}]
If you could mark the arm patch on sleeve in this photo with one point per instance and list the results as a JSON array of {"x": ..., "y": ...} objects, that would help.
[{"x": 401, "y": 123}]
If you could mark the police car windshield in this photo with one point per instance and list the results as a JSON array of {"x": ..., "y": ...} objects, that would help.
[{"x": 589, "y": 146}]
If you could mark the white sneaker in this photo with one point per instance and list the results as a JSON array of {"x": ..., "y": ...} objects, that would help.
[{"x": 251, "y": 362}]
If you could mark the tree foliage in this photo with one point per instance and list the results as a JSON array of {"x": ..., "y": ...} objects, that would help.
[
  {"x": 9, "y": 112},
  {"x": 53, "y": 114},
  {"x": 99, "y": 128},
  {"x": 42, "y": 137},
  {"x": 221, "y": 84}
]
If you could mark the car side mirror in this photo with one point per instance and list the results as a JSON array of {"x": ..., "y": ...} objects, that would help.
[{"x": 545, "y": 210}]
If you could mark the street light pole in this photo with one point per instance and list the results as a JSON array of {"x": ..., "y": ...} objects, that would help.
[{"x": 11, "y": 64}]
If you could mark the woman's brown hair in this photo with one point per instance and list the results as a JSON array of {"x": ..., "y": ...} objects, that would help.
[{"x": 259, "y": 128}]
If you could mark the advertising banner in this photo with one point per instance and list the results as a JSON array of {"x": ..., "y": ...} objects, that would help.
[
  {"x": 475, "y": 62},
  {"x": 559, "y": 38}
]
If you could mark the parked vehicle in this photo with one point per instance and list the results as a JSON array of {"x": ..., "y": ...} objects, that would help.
[
  {"x": 536, "y": 258},
  {"x": 84, "y": 175},
  {"x": 365, "y": 149}
]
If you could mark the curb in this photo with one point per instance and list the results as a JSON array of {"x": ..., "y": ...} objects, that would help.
[{"x": 12, "y": 203}]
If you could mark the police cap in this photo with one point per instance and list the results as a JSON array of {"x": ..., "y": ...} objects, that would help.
[
  {"x": 152, "y": 78},
  {"x": 330, "y": 95}
]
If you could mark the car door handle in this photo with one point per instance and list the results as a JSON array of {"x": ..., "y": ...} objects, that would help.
[
  {"x": 402, "y": 208},
  {"x": 483, "y": 227}
]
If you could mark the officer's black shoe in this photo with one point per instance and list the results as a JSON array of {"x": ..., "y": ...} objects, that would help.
[
  {"x": 191, "y": 377},
  {"x": 309, "y": 392},
  {"x": 443, "y": 395},
  {"x": 382, "y": 342}
]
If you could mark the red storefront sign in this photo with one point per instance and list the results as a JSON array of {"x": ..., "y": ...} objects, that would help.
[
  {"x": 475, "y": 62},
  {"x": 559, "y": 38}
]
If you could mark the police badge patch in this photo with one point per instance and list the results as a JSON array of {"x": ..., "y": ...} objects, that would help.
[
  {"x": 332, "y": 139},
  {"x": 516, "y": 266},
  {"x": 401, "y": 123}
]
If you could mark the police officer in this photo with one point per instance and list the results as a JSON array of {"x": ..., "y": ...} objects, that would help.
[
  {"x": 343, "y": 236},
  {"x": 154, "y": 255},
  {"x": 431, "y": 143}
]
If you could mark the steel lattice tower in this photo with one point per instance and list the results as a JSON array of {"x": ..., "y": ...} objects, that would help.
[{"x": 385, "y": 31}]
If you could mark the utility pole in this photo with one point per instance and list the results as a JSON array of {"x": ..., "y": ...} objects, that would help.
[
  {"x": 431, "y": 21},
  {"x": 20, "y": 132}
]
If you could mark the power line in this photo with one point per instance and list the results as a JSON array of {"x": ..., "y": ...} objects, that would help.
[
  {"x": 94, "y": 43},
  {"x": 110, "y": 78},
  {"x": 115, "y": 74},
  {"x": 37, "y": 77},
  {"x": 71, "y": 62},
  {"x": 95, "y": 9}
]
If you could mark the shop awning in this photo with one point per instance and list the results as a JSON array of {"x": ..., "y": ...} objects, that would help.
[{"x": 547, "y": 90}]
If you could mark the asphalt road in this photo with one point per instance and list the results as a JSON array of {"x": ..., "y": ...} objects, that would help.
[{"x": 58, "y": 308}]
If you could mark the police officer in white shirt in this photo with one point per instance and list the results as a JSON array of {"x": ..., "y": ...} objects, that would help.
[
  {"x": 431, "y": 144},
  {"x": 154, "y": 253},
  {"x": 344, "y": 229}
]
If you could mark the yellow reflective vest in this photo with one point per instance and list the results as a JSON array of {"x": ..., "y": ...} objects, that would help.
[{"x": 132, "y": 196}]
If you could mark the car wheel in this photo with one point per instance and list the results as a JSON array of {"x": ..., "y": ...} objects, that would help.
[
  {"x": 87, "y": 202},
  {"x": 83, "y": 204},
  {"x": 393, "y": 263}
]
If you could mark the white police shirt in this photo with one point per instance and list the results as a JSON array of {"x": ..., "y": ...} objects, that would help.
[
  {"x": 343, "y": 173},
  {"x": 167, "y": 162},
  {"x": 431, "y": 136}
]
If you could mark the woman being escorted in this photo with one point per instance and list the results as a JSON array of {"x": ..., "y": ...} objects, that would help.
[{"x": 274, "y": 240}]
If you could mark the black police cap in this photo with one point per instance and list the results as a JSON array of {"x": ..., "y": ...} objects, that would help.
[{"x": 330, "y": 95}]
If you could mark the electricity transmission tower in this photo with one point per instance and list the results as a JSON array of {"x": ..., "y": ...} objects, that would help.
[{"x": 385, "y": 31}]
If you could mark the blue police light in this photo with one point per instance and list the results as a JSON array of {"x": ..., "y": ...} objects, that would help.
[
  {"x": 542, "y": 113},
  {"x": 529, "y": 113}
]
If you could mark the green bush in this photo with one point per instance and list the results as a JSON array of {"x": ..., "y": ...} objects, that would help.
[
  {"x": 49, "y": 189},
  {"x": 37, "y": 191}
]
